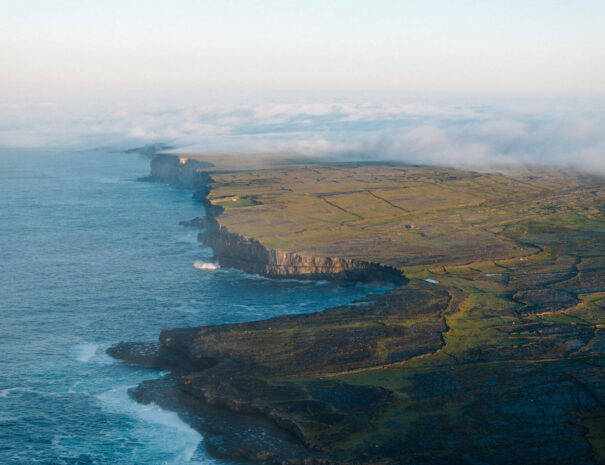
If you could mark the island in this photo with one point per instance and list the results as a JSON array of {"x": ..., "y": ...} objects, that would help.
[{"x": 489, "y": 347}]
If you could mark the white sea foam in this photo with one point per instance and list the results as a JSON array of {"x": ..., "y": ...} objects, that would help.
[
  {"x": 103, "y": 358},
  {"x": 174, "y": 435},
  {"x": 84, "y": 352},
  {"x": 92, "y": 352},
  {"x": 73, "y": 389},
  {"x": 208, "y": 266},
  {"x": 258, "y": 277},
  {"x": 430, "y": 280},
  {"x": 4, "y": 393}
]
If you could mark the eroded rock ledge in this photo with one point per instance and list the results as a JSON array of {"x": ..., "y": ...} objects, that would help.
[{"x": 250, "y": 255}]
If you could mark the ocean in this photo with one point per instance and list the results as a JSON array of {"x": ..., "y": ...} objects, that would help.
[{"x": 89, "y": 256}]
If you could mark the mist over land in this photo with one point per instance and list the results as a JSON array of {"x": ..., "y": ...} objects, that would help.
[
  {"x": 560, "y": 133},
  {"x": 466, "y": 84}
]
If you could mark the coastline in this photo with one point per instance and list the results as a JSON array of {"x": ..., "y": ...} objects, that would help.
[
  {"x": 358, "y": 383},
  {"x": 232, "y": 419},
  {"x": 232, "y": 250}
]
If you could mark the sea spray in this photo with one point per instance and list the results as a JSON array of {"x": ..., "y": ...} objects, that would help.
[
  {"x": 173, "y": 439},
  {"x": 207, "y": 266},
  {"x": 84, "y": 352}
]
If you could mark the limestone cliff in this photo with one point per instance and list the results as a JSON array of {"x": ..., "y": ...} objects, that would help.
[
  {"x": 181, "y": 172},
  {"x": 250, "y": 255}
]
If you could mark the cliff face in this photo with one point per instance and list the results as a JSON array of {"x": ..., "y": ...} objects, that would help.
[
  {"x": 177, "y": 171},
  {"x": 233, "y": 250},
  {"x": 248, "y": 254}
]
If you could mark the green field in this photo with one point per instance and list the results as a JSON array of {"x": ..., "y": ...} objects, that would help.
[{"x": 500, "y": 359}]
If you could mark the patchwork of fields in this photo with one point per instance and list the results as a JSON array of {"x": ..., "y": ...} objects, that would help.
[{"x": 498, "y": 358}]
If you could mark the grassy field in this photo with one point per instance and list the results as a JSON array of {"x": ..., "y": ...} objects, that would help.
[
  {"x": 516, "y": 372},
  {"x": 397, "y": 215}
]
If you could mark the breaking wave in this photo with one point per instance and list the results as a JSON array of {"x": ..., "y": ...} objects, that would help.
[
  {"x": 208, "y": 266},
  {"x": 84, "y": 352},
  {"x": 164, "y": 429}
]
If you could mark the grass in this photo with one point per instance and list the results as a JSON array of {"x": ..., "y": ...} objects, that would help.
[
  {"x": 402, "y": 216},
  {"x": 506, "y": 249}
]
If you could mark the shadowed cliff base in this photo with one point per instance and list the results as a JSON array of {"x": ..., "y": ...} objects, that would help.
[{"x": 500, "y": 359}]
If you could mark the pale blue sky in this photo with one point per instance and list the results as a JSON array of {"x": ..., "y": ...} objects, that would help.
[{"x": 66, "y": 47}]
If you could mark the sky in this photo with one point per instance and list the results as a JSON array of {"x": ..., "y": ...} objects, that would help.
[
  {"x": 462, "y": 46},
  {"x": 440, "y": 80}
]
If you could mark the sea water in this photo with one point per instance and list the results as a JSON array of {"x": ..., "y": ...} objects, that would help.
[{"x": 89, "y": 257}]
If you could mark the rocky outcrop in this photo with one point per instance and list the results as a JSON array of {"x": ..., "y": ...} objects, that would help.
[
  {"x": 223, "y": 372},
  {"x": 196, "y": 223},
  {"x": 180, "y": 172}
]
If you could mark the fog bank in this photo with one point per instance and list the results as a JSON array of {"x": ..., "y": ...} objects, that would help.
[{"x": 471, "y": 136}]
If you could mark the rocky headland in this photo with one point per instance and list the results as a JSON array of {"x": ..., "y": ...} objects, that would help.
[
  {"x": 499, "y": 359},
  {"x": 248, "y": 254}
]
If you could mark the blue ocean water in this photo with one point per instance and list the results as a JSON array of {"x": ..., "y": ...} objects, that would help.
[{"x": 89, "y": 257}]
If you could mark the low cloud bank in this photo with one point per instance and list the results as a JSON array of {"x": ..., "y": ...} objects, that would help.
[{"x": 467, "y": 136}]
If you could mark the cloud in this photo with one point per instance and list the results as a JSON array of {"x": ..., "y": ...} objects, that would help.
[
  {"x": 467, "y": 136},
  {"x": 138, "y": 133}
]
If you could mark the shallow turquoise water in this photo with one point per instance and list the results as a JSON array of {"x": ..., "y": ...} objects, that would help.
[{"x": 90, "y": 257}]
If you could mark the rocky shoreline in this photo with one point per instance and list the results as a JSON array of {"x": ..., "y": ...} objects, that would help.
[
  {"x": 500, "y": 362},
  {"x": 227, "y": 434},
  {"x": 239, "y": 379},
  {"x": 223, "y": 386}
]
